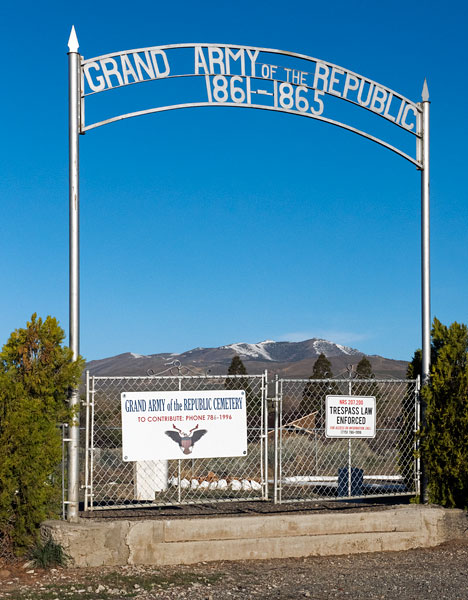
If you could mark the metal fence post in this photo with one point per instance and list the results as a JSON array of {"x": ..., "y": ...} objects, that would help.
[
  {"x": 264, "y": 436},
  {"x": 179, "y": 464},
  {"x": 87, "y": 433},
  {"x": 417, "y": 425},
  {"x": 63, "y": 428},
  {"x": 276, "y": 452},
  {"x": 350, "y": 391}
]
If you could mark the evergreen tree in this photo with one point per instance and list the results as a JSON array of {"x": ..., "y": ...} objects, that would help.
[
  {"x": 445, "y": 434},
  {"x": 368, "y": 387},
  {"x": 313, "y": 396},
  {"x": 364, "y": 369},
  {"x": 36, "y": 374},
  {"x": 414, "y": 368},
  {"x": 322, "y": 368},
  {"x": 237, "y": 367},
  {"x": 253, "y": 397}
]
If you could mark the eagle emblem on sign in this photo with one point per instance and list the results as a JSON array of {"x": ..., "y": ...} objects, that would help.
[{"x": 186, "y": 441}]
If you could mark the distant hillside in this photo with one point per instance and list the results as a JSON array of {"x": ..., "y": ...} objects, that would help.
[{"x": 288, "y": 359}]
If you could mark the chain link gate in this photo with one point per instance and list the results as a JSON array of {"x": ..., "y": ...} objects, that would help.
[
  {"x": 112, "y": 483},
  {"x": 310, "y": 466},
  {"x": 287, "y": 446}
]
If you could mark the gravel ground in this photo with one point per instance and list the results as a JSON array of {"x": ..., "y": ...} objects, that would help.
[{"x": 440, "y": 573}]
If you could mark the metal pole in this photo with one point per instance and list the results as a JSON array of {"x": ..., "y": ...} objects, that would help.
[
  {"x": 179, "y": 463},
  {"x": 91, "y": 447},
  {"x": 275, "y": 471},
  {"x": 87, "y": 449},
  {"x": 425, "y": 270},
  {"x": 350, "y": 385},
  {"x": 416, "y": 444},
  {"x": 425, "y": 242},
  {"x": 74, "y": 93},
  {"x": 265, "y": 434}
]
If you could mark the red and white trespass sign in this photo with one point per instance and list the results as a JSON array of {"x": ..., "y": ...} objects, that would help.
[{"x": 350, "y": 416}]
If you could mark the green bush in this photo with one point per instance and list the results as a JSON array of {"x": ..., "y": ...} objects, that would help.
[
  {"x": 36, "y": 374},
  {"x": 445, "y": 435}
]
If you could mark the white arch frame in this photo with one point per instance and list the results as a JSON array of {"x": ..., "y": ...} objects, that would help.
[{"x": 77, "y": 126}]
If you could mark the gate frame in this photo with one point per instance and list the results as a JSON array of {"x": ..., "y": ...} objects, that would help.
[
  {"x": 89, "y": 436},
  {"x": 278, "y": 453}
]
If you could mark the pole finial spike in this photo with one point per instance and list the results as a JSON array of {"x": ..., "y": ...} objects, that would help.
[
  {"x": 425, "y": 91},
  {"x": 73, "y": 41}
]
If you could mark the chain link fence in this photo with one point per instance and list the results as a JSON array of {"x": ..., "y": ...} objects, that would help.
[
  {"x": 289, "y": 457},
  {"x": 311, "y": 466},
  {"x": 109, "y": 482}
]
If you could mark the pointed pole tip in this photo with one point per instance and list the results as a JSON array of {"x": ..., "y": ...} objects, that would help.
[
  {"x": 425, "y": 91},
  {"x": 73, "y": 41}
]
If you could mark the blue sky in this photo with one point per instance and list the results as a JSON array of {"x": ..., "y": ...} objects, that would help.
[{"x": 210, "y": 226}]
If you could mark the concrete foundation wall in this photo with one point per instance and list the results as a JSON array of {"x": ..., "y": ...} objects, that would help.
[{"x": 93, "y": 543}]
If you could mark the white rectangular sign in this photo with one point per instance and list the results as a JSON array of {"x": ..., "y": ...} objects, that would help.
[
  {"x": 172, "y": 425},
  {"x": 350, "y": 416}
]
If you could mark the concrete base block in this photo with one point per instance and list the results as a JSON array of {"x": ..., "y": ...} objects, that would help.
[{"x": 187, "y": 541}]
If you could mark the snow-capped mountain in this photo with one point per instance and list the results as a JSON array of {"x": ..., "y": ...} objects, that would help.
[
  {"x": 289, "y": 359},
  {"x": 281, "y": 351},
  {"x": 259, "y": 350}
]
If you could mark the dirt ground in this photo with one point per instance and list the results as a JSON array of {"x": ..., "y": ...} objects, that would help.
[{"x": 440, "y": 572}]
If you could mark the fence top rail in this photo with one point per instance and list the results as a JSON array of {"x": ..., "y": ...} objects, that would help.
[
  {"x": 177, "y": 377},
  {"x": 251, "y": 376},
  {"x": 346, "y": 380}
]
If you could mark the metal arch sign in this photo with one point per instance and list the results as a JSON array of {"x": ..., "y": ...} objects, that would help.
[
  {"x": 251, "y": 77},
  {"x": 235, "y": 76}
]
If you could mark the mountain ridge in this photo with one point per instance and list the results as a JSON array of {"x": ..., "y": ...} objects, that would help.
[{"x": 287, "y": 359}]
